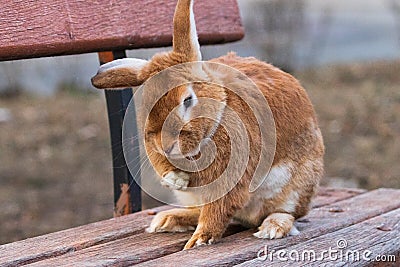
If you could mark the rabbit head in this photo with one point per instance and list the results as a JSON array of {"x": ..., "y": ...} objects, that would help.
[
  {"x": 182, "y": 118},
  {"x": 185, "y": 114}
]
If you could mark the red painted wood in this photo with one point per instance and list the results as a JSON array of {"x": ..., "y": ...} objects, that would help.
[{"x": 36, "y": 28}]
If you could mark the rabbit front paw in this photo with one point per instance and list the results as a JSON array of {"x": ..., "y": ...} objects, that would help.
[
  {"x": 277, "y": 225},
  {"x": 175, "y": 220},
  {"x": 200, "y": 238},
  {"x": 175, "y": 180}
]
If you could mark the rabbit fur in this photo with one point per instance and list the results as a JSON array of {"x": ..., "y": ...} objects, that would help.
[{"x": 297, "y": 165}]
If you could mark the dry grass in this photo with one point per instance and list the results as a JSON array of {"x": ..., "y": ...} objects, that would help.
[
  {"x": 358, "y": 108},
  {"x": 55, "y": 169}
]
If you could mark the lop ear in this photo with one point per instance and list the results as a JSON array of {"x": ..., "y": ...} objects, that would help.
[{"x": 119, "y": 74}]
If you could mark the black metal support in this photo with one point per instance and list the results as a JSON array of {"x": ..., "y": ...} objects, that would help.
[{"x": 117, "y": 104}]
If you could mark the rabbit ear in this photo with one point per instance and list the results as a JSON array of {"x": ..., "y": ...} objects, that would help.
[
  {"x": 119, "y": 74},
  {"x": 185, "y": 41},
  {"x": 131, "y": 72}
]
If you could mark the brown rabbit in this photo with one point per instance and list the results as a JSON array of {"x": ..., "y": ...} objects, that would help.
[{"x": 297, "y": 165}]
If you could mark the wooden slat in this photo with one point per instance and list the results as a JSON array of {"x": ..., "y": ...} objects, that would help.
[
  {"x": 59, "y": 243},
  {"x": 327, "y": 194},
  {"x": 127, "y": 251},
  {"x": 116, "y": 234},
  {"x": 242, "y": 247},
  {"x": 380, "y": 235},
  {"x": 37, "y": 28}
]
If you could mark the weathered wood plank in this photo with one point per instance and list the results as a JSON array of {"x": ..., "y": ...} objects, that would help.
[
  {"x": 127, "y": 251},
  {"x": 59, "y": 243},
  {"x": 72, "y": 240},
  {"x": 357, "y": 245},
  {"x": 242, "y": 247},
  {"x": 326, "y": 195},
  {"x": 37, "y": 28},
  {"x": 123, "y": 252}
]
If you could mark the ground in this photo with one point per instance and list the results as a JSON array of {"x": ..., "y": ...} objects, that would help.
[{"x": 55, "y": 156}]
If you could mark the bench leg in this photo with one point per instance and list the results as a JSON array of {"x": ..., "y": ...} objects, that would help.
[{"x": 127, "y": 193}]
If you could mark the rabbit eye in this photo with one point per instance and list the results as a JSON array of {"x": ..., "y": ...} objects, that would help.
[{"x": 187, "y": 103}]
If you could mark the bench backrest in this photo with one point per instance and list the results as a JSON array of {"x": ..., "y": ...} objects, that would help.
[
  {"x": 30, "y": 29},
  {"x": 57, "y": 27}
]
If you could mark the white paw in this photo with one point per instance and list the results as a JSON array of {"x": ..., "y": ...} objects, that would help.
[
  {"x": 201, "y": 242},
  {"x": 176, "y": 180},
  {"x": 275, "y": 232},
  {"x": 167, "y": 222},
  {"x": 277, "y": 225},
  {"x": 199, "y": 239}
]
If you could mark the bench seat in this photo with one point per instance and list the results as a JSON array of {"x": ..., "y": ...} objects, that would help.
[{"x": 365, "y": 220}]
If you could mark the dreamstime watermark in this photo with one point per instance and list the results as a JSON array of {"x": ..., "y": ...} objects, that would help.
[
  {"x": 338, "y": 253},
  {"x": 215, "y": 83}
]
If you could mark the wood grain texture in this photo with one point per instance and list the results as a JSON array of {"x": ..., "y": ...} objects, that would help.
[
  {"x": 107, "y": 238},
  {"x": 241, "y": 247},
  {"x": 138, "y": 248},
  {"x": 124, "y": 252},
  {"x": 325, "y": 195},
  {"x": 59, "y": 243},
  {"x": 358, "y": 238},
  {"x": 37, "y": 28}
]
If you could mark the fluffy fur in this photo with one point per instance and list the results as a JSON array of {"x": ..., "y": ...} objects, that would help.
[{"x": 297, "y": 164}]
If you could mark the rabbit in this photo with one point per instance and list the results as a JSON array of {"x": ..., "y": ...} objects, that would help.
[{"x": 297, "y": 164}]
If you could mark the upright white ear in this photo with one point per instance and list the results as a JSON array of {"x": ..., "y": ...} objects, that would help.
[
  {"x": 120, "y": 73},
  {"x": 194, "y": 39},
  {"x": 185, "y": 40},
  {"x": 131, "y": 72}
]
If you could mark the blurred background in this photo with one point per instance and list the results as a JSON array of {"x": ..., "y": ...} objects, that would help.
[{"x": 55, "y": 158}]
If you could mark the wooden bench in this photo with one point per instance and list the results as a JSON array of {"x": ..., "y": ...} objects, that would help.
[{"x": 362, "y": 222}]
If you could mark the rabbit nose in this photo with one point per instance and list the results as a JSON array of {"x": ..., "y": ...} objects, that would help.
[{"x": 169, "y": 150}]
